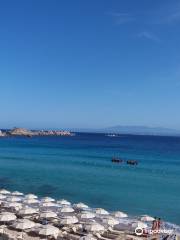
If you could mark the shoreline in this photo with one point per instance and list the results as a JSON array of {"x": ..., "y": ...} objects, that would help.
[{"x": 116, "y": 223}]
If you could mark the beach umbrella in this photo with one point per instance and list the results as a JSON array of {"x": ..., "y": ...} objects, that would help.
[
  {"x": 2, "y": 197},
  {"x": 27, "y": 211},
  {"x": 48, "y": 204},
  {"x": 16, "y": 193},
  {"x": 67, "y": 220},
  {"x": 13, "y": 199},
  {"x": 101, "y": 211},
  {"x": 31, "y": 201},
  {"x": 138, "y": 224},
  {"x": 147, "y": 218},
  {"x": 88, "y": 237},
  {"x": 4, "y": 191},
  {"x": 66, "y": 210},
  {"x": 48, "y": 230},
  {"x": 7, "y": 217},
  {"x": 30, "y": 196},
  {"x": 119, "y": 214},
  {"x": 110, "y": 221},
  {"x": 13, "y": 205},
  {"x": 94, "y": 227},
  {"x": 48, "y": 214},
  {"x": 63, "y": 202},
  {"x": 86, "y": 215},
  {"x": 47, "y": 199},
  {"x": 23, "y": 224},
  {"x": 80, "y": 206}
]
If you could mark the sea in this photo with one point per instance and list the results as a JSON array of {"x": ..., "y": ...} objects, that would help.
[{"x": 79, "y": 168}]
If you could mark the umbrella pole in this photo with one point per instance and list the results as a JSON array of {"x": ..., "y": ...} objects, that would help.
[{"x": 22, "y": 233}]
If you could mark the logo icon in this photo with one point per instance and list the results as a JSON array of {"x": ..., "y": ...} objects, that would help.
[{"x": 139, "y": 231}]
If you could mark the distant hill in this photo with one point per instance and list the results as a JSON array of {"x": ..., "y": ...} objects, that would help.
[
  {"x": 143, "y": 130},
  {"x": 136, "y": 130}
]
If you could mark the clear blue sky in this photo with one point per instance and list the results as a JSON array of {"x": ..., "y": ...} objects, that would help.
[{"x": 89, "y": 63}]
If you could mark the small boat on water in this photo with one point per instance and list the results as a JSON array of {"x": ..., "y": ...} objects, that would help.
[
  {"x": 112, "y": 135},
  {"x": 129, "y": 162},
  {"x": 117, "y": 160},
  {"x": 132, "y": 162}
]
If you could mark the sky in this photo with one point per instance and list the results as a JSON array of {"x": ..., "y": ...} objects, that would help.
[{"x": 89, "y": 63}]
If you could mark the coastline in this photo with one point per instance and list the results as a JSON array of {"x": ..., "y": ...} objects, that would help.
[
  {"x": 31, "y": 133},
  {"x": 72, "y": 221}
]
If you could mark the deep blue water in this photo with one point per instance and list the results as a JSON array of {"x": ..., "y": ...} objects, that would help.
[{"x": 79, "y": 168}]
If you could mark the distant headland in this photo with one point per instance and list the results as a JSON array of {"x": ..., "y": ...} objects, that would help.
[
  {"x": 133, "y": 130},
  {"x": 31, "y": 133}
]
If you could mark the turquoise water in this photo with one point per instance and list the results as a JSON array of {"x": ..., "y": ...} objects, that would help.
[{"x": 79, "y": 168}]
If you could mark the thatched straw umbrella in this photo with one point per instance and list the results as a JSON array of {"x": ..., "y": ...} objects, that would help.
[
  {"x": 47, "y": 199},
  {"x": 86, "y": 215},
  {"x": 48, "y": 204},
  {"x": 13, "y": 199},
  {"x": 7, "y": 217},
  {"x": 68, "y": 220},
  {"x": 94, "y": 227},
  {"x": 147, "y": 218},
  {"x": 4, "y": 191},
  {"x": 23, "y": 224},
  {"x": 110, "y": 221},
  {"x": 48, "y": 215},
  {"x": 27, "y": 211},
  {"x": 101, "y": 211},
  {"x": 15, "y": 205},
  {"x": 2, "y": 197},
  {"x": 66, "y": 210},
  {"x": 16, "y": 193},
  {"x": 80, "y": 206},
  {"x": 64, "y": 202},
  {"x": 30, "y": 196},
  {"x": 31, "y": 201},
  {"x": 48, "y": 230},
  {"x": 119, "y": 214}
]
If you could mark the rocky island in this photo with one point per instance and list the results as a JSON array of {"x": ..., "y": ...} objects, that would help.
[
  {"x": 31, "y": 133},
  {"x": 2, "y": 134}
]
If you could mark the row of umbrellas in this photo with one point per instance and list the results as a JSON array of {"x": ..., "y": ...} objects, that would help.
[
  {"x": 66, "y": 220},
  {"x": 14, "y": 201},
  {"x": 23, "y": 224},
  {"x": 30, "y": 204}
]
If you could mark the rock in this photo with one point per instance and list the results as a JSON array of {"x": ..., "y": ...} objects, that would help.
[
  {"x": 2, "y": 134},
  {"x": 20, "y": 132},
  {"x": 29, "y": 133}
]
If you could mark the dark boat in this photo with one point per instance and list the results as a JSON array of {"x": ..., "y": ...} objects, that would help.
[
  {"x": 132, "y": 162},
  {"x": 117, "y": 160},
  {"x": 129, "y": 162}
]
